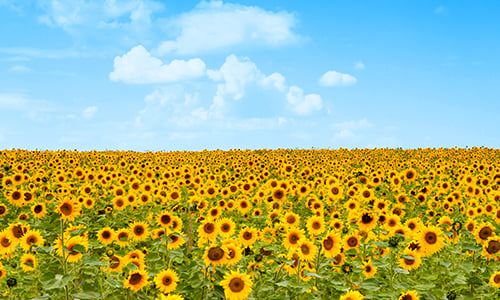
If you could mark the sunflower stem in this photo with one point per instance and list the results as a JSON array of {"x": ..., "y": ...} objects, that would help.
[{"x": 65, "y": 268}]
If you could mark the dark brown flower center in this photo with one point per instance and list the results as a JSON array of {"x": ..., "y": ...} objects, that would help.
[
  {"x": 493, "y": 247},
  {"x": 139, "y": 230},
  {"x": 165, "y": 219},
  {"x": 38, "y": 208},
  {"x": 135, "y": 278},
  {"x": 305, "y": 249},
  {"x": 5, "y": 242},
  {"x": 430, "y": 238},
  {"x": 293, "y": 239},
  {"x": 366, "y": 219},
  {"x": 66, "y": 209},
  {"x": 167, "y": 280},
  {"x": 352, "y": 241},
  {"x": 209, "y": 228},
  {"x": 328, "y": 243},
  {"x": 496, "y": 279},
  {"x": 17, "y": 231},
  {"x": 106, "y": 234},
  {"x": 409, "y": 262},
  {"x": 114, "y": 262},
  {"x": 236, "y": 285},
  {"x": 215, "y": 253},
  {"x": 485, "y": 233},
  {"x": 316, "y": 225}
]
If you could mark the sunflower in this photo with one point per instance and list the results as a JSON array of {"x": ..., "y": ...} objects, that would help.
[
  {"x": 15, "y": 198},
  {"x": 136, "y": 280},
  {"x": 407, "y": 263},
  {"x": 409, "y": 295},
  {"x": 237, "y": 286},
  {"x": 491, "y": 248},
  {"x": 233, "y": 252},
  {"x": 244, "y": 206},
  {"x": 291, "y": 219},
  {"x": 278, "y": 194},
  {"x": 175, "y": 242},
  {"x": 368, "y": 269},
  {"x": 331, "y": 244},
  {"x": 431, "y": 240},
  {"x": 17, "y": 231},
  {"x": 68, "y": 210},
  {"x": 116, "y": 263},
  {"x": 3, "y": 273},
  {"x": 139, "y": 231},
  {"x": 7, "y": 244},
  {"x": 226, "y": 227},
  {"x": 367, "y": 221},
  {"x": 495, "y": 279},
  {"x": 39, "y": 210},
  {"x": 483, "y": 232},
  {"x": 106, "y": 235},
  {"x": 69, "y": 243},
  {"x": 351, "y": 241},
  {"x": 28, "y": 262},
  {"x": 315, "y": 225},
  {"x": 3, "y": 210},
  {"x": 122, "y": 237},
  {"x": 119, "y": 203},
  {"x": 293, "y": 237},
  {"x": 166, "y": 280},
  {"x": 306, "y": 250},
  {"x": 30, "y": 238},
  {"x": 248, "y": 236},
  {"x": 165, "y": 219},
  {"x": 215, "y": 255},
  {"x": 352, "y": 295},
  {"x": 208, "y": 230}
]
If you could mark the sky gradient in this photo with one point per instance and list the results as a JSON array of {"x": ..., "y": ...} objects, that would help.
[{"x": 187, "y": 75}]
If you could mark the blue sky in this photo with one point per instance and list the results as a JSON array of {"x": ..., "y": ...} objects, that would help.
[{"x": 189, "y": 75}]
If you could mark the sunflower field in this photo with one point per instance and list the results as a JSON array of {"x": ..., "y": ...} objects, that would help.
[{"x": 261, "y": 224}]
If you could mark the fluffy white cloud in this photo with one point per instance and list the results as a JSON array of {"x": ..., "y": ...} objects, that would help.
[
  {"x": 216, "y": 25},
  {"x": 303, "y": 104},
  {"x": 359, "y": 65},
  {"x": 89, "y": 112},
  {"x": 71, "y": 14},
  {"x": 138, "y": 66},
  {"x": 333, "y": 78}
]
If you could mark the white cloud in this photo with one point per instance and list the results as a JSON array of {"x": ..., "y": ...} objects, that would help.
[
  {"x": 333, "y": 78},
  {"x": 20, "y": 68},
  {"x": 138, "y": 66},
  {"x": 359, "y": 65},
  {"x": 235, "y": 74},
  {"x": 216, "y": 25},
  {"x": 303, "y": 105},
  {"x": 13, "y": 101},
  {"x": 72, "y": 14},
  {"x": 89, "y": 112}
]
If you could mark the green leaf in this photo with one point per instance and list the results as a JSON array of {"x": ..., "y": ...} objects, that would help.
[
  {"x": 58, "y": 282},
  {"x": 78, "y": 248},
  {"x": 152, "y": 257},
  {"x": 77, "y": 232},
  {"x": 284, "y": 283},
  {"x": 408, "y": 257},
  {"x": 92, "y": 261},
  {"x": 114, "y": 283},
  {"x": 87, "y": 295},
  {"x": 401, "y": 271},
  {"x": 381, "y": 244},
  {"x": 370, "y": 284},
  {"x": 311, "y": 274}
]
